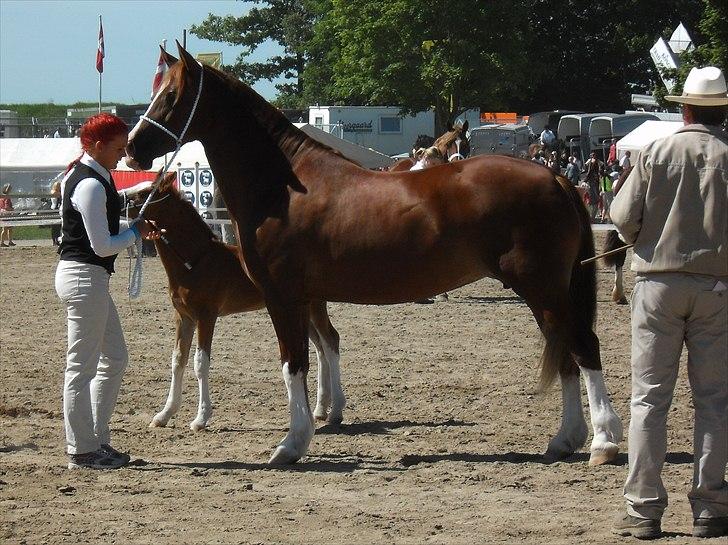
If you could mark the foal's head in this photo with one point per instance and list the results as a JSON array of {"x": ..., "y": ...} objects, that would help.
[
  {"x": 165, "y": 206},
  {"x": 454, "y": 144}
]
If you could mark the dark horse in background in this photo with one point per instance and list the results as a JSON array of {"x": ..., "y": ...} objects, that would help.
[{"x": 314, "y": 226}]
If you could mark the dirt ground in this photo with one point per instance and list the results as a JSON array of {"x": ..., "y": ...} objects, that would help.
[{"x": 441, "y": 440}]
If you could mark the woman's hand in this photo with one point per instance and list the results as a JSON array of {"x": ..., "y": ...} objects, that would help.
[{"x": 149, "y": 230}]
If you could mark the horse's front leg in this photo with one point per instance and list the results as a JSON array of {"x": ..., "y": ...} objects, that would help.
[
  {"x": 291, "y": 325},
  {"x": 205, "y": 331},
  {"x": 325, "y": 338},
  {"x": 185, "y": 328}
]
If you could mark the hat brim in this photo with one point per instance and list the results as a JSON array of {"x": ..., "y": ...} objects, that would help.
[{"x": 699, "y": 101}]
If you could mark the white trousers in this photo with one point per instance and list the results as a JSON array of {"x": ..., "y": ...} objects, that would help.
[
  {"x": 669, "y": 310},
  {"x": 96, "y": 357}
]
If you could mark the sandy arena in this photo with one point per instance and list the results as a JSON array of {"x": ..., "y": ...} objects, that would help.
[{"x": 441, "y": 441}]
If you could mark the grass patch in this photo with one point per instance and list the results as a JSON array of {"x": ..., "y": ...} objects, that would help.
[{"x": 31, "y": 232}]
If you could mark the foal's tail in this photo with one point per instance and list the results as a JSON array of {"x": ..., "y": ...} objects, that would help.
[
  {"x": 582, "y": 295},
  {"x": 613, "y": 242}
]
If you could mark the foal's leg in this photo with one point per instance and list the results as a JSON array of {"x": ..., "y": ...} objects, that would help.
[
  {"x": 205, "y": 331},
  {"x": 326, "y": 340},
  {"x": 291, "y": 325},
  {"x": 185, "y": 328}
]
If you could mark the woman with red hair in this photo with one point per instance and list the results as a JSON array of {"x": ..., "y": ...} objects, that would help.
[{"x": 90, "y": 240}]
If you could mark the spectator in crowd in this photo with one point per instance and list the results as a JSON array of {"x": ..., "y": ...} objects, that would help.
[
  {"x": 91, "y": 239},
  {"x": 56, "y": 205},
  {"x": 573, "y": 172},
  {"x": 553, "y": 163},
  {"x": 548, "y": 138},
  {"x": 594, "y": 168},
  {"x": 6, "y": 207},
  {"x": 612, "y": 155},
  {"x": 626, "y": 162},
  {"x": 605, "y": 186},
  {"x": 673, "y": 207}
]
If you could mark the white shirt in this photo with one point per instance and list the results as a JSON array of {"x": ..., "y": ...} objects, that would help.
[
  {"x": 89, "y": 199},
  {"x": 547, "y": 137},
  {"x": 625, "y": 163}
]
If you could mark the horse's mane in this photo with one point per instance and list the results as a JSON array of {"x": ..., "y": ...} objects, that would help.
[
  {"x": 270, "y": 119},
  {"x": 189, "y": 209}
]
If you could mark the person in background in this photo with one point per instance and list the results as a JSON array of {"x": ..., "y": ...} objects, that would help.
[
  {"x": 548, "y": 138},
  {"x": 594, "y": 168},
  {"x": 91, "y": 238},
  {"x": 573, "y": 172},
  {"x": 674, "y": 208},
  {"x": 6, "y": 207},
  {"x": 56, "y": 205},
  {"x": 625, "y": 163}
]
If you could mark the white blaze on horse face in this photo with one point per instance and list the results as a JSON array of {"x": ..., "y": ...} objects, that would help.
[{"x": 161, "y": 90}]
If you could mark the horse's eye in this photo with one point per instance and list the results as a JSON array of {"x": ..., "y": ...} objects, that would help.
[{"x": 169, "y": 97}]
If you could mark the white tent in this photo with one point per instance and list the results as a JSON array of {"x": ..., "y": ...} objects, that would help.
[
  {"x": 30, "y": 164},
  {"x": 647, "y": 132}
]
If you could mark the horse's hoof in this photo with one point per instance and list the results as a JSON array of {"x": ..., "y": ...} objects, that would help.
[
  {"x": 320, "y": 415},
  {"x": 555, "y": 455},
  {"x": 604, "y": 455},
  {"x": 622, "y": 301},
  {"x": 197, "y": 426},
  {"x": 335, "y": 420},
  {"x": 283, "y": 456},
  {"x": 157, "y": 423}
]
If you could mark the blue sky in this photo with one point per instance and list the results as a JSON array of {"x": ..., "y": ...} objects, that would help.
[{"x": 48, "y": 47}]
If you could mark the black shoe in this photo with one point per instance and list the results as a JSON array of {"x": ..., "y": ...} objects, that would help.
[
  {"x": 97, "y": 459},
  {"x": 427, "y": 301},
  {"x": 710, "y": 527},
  {"x": 627, "y": 525},
  {"x": 114, "y": 454}
]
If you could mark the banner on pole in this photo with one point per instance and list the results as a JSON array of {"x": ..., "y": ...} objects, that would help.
[{"x": 100, "y": 51}]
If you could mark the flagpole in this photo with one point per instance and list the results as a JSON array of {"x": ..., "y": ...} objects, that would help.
[{"x": 101, "y": 72}]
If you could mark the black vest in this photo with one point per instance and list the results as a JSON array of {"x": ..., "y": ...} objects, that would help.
[{"x": 75, "y": 244}]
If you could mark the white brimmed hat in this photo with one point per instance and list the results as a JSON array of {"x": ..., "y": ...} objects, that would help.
[{"x": 703, "y": 87}]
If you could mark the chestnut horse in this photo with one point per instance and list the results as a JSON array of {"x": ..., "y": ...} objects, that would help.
[
  {"x": 314, "y": 226},
  {"x": 206, "y": 281},
  {"x": 453, "y": 145}
]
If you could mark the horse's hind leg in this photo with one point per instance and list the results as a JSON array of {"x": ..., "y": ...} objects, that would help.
[
  {"x": 205, "y": 331},
  {"x": 606, "y": 424},
  {"x": 556, "y": 359},
  {"x": 185, "y": 328},
  {"x": 325, "y": 338},
  {"x": 618, "y": 290}
]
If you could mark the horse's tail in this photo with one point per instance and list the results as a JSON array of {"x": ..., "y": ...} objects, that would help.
[
  {"x": 613, "y": 242},
  {"x": 582, "y": 294}
]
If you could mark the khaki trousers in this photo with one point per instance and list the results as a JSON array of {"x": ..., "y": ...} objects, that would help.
[
  {"x": 96, "y": 357},
  {"x": 669, "y": 310}
]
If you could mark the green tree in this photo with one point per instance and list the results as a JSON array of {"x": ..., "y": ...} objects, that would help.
[
  {"x": 288, "y": 23},
  {"x": 449, "y": 56}
]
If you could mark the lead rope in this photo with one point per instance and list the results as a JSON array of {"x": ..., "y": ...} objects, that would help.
[{"x": 135, "y": 277}]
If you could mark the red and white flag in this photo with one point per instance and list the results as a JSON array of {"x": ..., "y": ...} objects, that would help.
[
  {"x": 159, "y": 74},
  {"x": 100, "y": 51}
]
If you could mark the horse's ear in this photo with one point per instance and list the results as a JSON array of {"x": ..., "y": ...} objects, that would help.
[
  {"x": 188, "y": 60},
  {"x": 465, "y": 126},
  {"x": 168, "y": 58},
  {"x": 449, "y": 126},
  {"x": 168, "y": 181}
]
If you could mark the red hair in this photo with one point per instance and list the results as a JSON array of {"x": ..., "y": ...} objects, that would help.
[{"x": 102, "y": 127}]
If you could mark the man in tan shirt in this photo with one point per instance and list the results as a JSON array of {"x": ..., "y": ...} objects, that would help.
[{"x": 674, "y": 208}]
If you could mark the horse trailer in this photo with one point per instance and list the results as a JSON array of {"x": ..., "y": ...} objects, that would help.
[{"x": 507, "y": 139}]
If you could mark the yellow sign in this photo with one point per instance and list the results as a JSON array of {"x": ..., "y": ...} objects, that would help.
[{"x": 210, "y": 59}]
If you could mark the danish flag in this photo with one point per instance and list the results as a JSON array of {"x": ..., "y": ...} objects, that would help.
[
  {"x": 100, "y": 51},
  {"x": 159, "y": 74}
]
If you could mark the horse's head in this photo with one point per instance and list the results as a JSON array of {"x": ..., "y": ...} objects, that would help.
[
  {"x": 454, "y": 144},
  {"x": 157, "y": 210},
  {"x": 170, "y": 119}
]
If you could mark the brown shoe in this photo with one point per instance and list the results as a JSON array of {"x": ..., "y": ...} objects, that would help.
[
  {"x": 627, "y": 525},
  {"x": 710, "y": 527}
]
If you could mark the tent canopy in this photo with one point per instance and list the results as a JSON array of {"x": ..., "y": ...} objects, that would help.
[
  {"x": 647, "y": 132},
  {"x": 38, "y": 153}
]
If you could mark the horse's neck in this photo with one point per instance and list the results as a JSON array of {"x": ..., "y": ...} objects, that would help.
[{"x": 188, "y": 238}]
